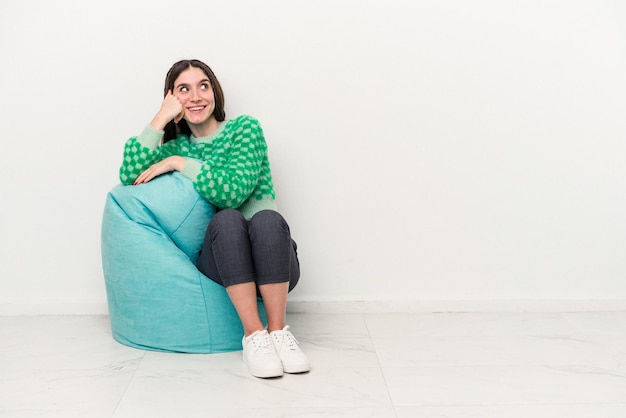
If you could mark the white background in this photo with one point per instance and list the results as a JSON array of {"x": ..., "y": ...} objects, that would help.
[{"x": 447, "y": 155}]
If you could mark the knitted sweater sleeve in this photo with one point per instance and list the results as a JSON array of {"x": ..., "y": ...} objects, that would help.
[
  {"x": 140, "y": 153},
  {"x": 229, "y": 179}
]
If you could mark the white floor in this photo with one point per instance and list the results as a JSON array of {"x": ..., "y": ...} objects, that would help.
[{"x": 364, "y": 365}]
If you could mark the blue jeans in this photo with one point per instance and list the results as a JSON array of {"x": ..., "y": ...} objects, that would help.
[{"x": 260, "y": 250}]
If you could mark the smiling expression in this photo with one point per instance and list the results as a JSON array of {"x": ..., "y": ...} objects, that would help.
[{"x": 193, "y": 90}]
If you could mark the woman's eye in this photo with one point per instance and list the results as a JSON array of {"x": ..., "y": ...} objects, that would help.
[
  {"x": 205, "y": 86},
  {"x": 184, "y": 89}
]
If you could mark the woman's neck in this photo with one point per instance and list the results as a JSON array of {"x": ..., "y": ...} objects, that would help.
[{"x": 204, "y": 129}]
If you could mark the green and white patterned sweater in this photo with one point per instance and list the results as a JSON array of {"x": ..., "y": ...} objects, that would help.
[{"x": 229, "y": 168}]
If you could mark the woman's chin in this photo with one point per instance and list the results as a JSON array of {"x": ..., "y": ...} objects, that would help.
[{"x": 196, "y": 119}]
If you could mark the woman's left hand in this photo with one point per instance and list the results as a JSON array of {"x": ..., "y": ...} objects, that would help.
[{"x": 173, "y": 163}]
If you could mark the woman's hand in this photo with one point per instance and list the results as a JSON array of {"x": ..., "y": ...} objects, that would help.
[
  {"x": 173, "y": 163},
  {"x": 171, "y": 109}
]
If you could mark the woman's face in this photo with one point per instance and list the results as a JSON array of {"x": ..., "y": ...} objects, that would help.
[{"x": 193, "y": 90}]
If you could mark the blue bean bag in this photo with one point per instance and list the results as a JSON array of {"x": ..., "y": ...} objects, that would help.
[{"x": 151, "y": 237}]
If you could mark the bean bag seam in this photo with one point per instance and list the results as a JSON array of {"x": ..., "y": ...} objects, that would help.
[{"x": 186, "y": 216}]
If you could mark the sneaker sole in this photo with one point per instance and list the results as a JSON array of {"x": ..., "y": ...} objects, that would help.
[
  {"x": 298, "y": 368},
  {"x": 264, "y": 373}
]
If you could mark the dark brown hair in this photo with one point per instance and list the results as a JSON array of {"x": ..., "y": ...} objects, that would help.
[{"x": 172, "y": 129}]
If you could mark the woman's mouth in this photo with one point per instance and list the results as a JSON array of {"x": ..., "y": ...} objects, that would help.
[{"x": 196, "y": 109}]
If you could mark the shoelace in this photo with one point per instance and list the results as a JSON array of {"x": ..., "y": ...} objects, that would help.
[
  {"x": 285, "y": 338},
  {"x": 262, "y": 343}
]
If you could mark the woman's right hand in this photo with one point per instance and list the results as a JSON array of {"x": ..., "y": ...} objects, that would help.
[{"x": 171, "y": 109}]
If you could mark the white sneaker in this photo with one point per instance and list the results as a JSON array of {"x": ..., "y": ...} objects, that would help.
[
  {"x": 260, "y": 356},
  {"x": 293, "y": 359}
]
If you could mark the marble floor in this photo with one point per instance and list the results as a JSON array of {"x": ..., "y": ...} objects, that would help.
[{"x": 413, "y": 365}]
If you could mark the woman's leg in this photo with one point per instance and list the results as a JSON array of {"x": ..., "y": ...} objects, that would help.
[
  {"x": 275, "y": 301},
  {"x": 244, "y": 298},
  {"x": 275, "y": 263},
  {"x": 226, "y": 258},
  {"x": 278, "y": 270}
]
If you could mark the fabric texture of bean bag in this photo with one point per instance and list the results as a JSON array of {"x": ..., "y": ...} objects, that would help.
[{"x": 151, "y": 237}]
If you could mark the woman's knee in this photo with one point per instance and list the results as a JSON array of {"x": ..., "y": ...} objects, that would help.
[
  {"x": 228, "y": 222},
  {"x": 268, "y": 221},
  {"x": 227, "y": 218}
]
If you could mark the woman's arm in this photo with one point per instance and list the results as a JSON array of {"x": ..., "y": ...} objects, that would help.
[{"x": 143, "y": 158}]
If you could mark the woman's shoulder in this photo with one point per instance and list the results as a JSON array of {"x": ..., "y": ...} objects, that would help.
[{"x": 243, "y": 120}]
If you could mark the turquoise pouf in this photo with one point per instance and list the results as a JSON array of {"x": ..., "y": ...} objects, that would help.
[{"x": 158, "y": 300}]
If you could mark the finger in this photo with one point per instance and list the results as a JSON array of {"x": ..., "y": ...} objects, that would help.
[
  {"x": 180, "y": 116},
  {"x": 143, "y": 176},
  {"x": 138, "y": 179},
  {"x": 150, "y": 173}
]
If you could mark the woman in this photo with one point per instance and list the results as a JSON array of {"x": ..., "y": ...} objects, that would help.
[{"x": 247, "y": 247}]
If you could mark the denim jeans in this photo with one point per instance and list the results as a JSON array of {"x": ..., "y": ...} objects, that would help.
[{"x": 260, "y": 250}]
